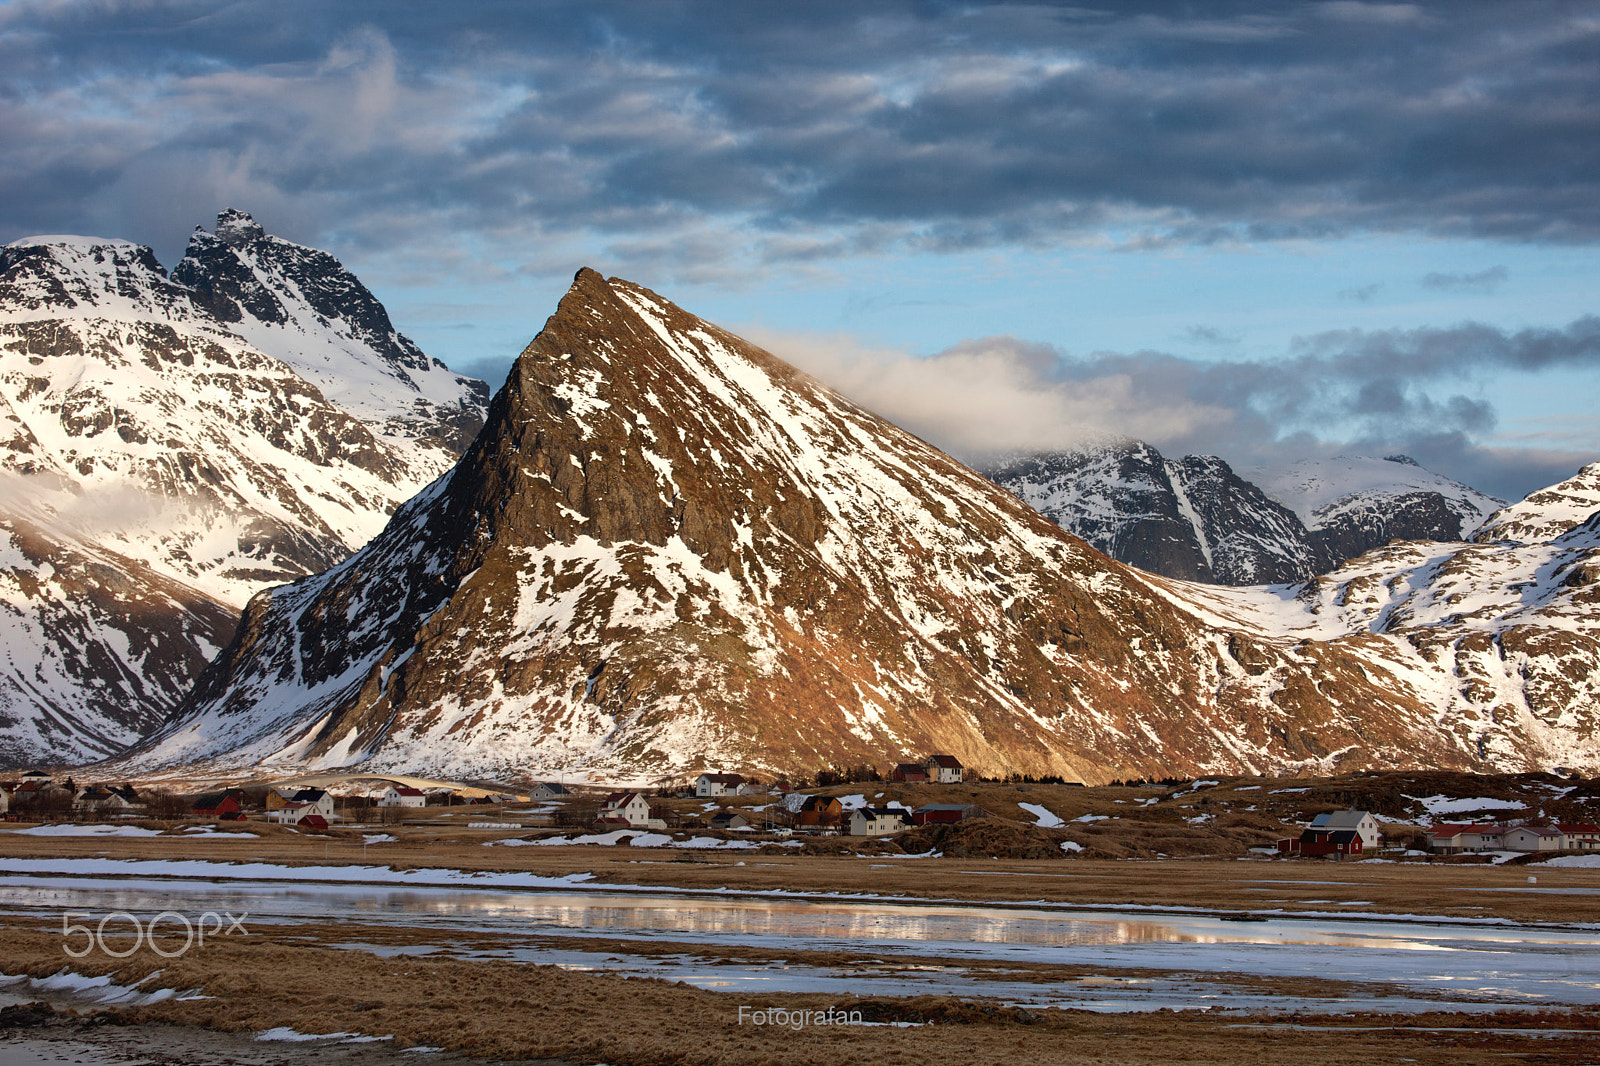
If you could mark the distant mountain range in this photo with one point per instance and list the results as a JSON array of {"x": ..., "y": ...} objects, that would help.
[
  {"x": 669, "y": 551},
  {"x": 1194, "y": 518},
  {"x": 171, "y": 446}
]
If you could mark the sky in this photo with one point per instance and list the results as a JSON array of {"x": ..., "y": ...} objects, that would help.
[{"x": 1261, "y": 231}]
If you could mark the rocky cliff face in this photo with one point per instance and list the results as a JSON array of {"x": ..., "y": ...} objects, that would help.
[
  {"x": 1191, "y": 518},
  {"x": 141, "y": 427},
  {"x": 668, "y": 551},
  {"x": 1194, "y": 518}
]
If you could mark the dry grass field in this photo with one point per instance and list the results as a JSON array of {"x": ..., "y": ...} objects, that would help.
[
  {"x": 293, "y": 974},
  {"x": 286, "y": 977}
]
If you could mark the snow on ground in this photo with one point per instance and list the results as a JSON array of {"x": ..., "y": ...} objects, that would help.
[
  {"x": 1438, "y": 805},
  {"x": 84, "y": 831},
  {"x": 638, "y": 838},
  {"x": 1042, "y": 817},
  {"x": 1583, "y": 862}
]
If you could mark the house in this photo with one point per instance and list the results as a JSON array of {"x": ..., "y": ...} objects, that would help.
[
  {"x": 1580, "y": 836},
  {"x": 313, "y": 821},
  {"x": 944, "y": 769},
  {"x": 277, "y": 797},
  {"x": 878, "y": 821},
  {"x": 912, "y": 773},
  {"x": 305, "y": 805},
  {"x": 546, "y": 790},
  {"x": 1454, "y": 839},
  {"x": 107, "y": 799},
  {"x": 225, "y": 805},
  {"x": 5, "y": 800},
  {"x": 713, "y": 785},
  {"x": 402, "y": 796},
  {"x": 632, "y": 808},
  {"x": 1324, "y": 842},
  {"x": 726, "y": 819},
  {"x": 947, "y": 813},
  {"x": 41, "y": 793},
  {"x": 823, "y": 812},
  {"x": 1364, "y": 824},
  {"x": 1533, "y": 838}
]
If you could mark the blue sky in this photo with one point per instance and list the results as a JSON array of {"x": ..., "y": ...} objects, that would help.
[{"x": 1256, "y": 230}]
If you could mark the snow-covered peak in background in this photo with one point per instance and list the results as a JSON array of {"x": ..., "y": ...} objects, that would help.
[
  {"x": 1548, "y": 513},
  {"x": 1322, "y": 490},
  {"x": 304, "y": 307}
]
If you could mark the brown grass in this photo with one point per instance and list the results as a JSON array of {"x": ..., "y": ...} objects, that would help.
[{"x": 497, "y": 1009}]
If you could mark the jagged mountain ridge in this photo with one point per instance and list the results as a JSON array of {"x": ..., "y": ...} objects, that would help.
[
  {"x": 143, "y": 432},
  {"x": 1191, "y": 518},
  {"x": 669, "y": 550},
  {"x": 1194, "y": 518}
]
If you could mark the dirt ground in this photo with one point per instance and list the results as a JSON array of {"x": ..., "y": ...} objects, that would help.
[
  {"x": 292, "y": 975},
  {"x": 499, "y": 1010}
]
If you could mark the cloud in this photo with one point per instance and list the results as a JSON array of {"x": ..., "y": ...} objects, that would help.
[
  {"x": 1484, "y": 281},
  {"x": 1373, "y": 392},
  {"x": 1361, "y": 293},
  {"x": 755, "y": 139}
]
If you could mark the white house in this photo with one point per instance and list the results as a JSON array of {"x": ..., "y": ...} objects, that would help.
[
  {"x": 629, "y": 807},
  {"x": 1580, "y": 836},
  {"x": 1533, "y": 838},
  {"x": 878, "y": 821},
  {"x": 1454, "y": 839},
  {"x": 546, "y": 790},
  {"x": 713, "y": 785},
  {"x": 403, "y": 796},
  {"x": 107, "y": 799},
  {"x": 944, "y": 769},
  {"x": 1362, "y": 822},
  {"x": 305, "y": 802}
]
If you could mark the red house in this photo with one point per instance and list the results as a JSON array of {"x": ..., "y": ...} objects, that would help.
[
  {"x": 912, "y": 773},
  {"x": 1335, "y": 842},
  {"x": 946, "y": 813},
  {"x": 223, "y": 806}
]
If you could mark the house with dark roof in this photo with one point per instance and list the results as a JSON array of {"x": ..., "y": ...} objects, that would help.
[
  {"x": 545, "y": 790},
  {"x": 947, "y": 813},
  {"x": 912, "y": 773},
  {"x": 713, "y": 785},
  {"x": 944, "y": 769},
  {"x": 227, "y": 805},
  {"x": 879, "y": 821}
]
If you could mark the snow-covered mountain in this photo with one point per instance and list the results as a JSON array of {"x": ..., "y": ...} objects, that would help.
[
  {"x": 1191, "y": 518},
  {"x": 1354, "y": 503},
  {"x": 1501, "y": 639},
  {"x": 668, "y": 550},
  {"x": 163, "y": 430},
  {"x": 1548, "y": 513},
  {"x": 1194, "y": 518}
]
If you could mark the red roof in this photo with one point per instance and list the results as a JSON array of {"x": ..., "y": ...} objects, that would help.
[
  {"x": 1578, "y": 827},
  {"x": 1457, "y": 830},
  {"x": 949, "y": 762},
  {"x": 406, "y": 790}
]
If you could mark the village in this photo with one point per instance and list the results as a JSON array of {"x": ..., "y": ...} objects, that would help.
[{"x": 928, "y": 804}]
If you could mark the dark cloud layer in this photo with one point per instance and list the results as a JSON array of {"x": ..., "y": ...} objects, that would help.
[
  {"x": 708, "y": 141},
  {"x": 692, "y": 133},
  {"x": 1413, "y": 391}
]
